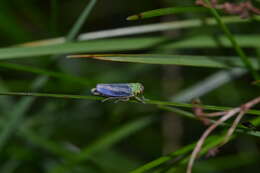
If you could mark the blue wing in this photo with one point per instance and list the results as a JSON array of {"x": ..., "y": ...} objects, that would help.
[{"x": 114, "y": 90}]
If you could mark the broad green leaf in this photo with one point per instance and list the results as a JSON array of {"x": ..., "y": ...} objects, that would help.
[{"x": 163, "y": 59}]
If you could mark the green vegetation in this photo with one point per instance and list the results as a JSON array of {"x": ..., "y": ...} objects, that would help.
[{"x": 54, "y": 52}]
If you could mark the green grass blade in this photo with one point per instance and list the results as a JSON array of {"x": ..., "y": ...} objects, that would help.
[
  {"x": 24, "y": 104},
  {"x": 80, "y": 21},
  {"x": 156, "y": 27},
  {"x": 204, "y": 41},
  {"x": 153, "y": 102},
  {"x": 240, "y": 52},
  {"x": 207, "y": 146},
  {"x": 209, "y": 143},
  {"x": 90, "y": 46},
  {"x": 120, "y": 44},
  {"x": 165, "y": 11},
  {"x": 148, "y": 28},
  {"x": 161, "y": 160},
  {"x": 164, "y": 59}
]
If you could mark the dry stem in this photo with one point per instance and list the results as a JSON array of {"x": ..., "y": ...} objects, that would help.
[{"x": 225, "y": 116}]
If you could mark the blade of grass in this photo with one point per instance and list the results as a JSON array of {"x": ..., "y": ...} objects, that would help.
[
  {"x": 164, "y": 59},
  {"x": 135, "y": 43},
  {"x": 126, "y": 31},
  {"x": 90, "y": 46},
  {"x": 165, "y": 11},
  {"x": 24, "y": 104},
  {"x": 204, "y": 41},
  {"x": 156, "y": 28},
  {"x": 80, "y": 21},
  {"x": 204, "y": 151},
  {"x": 120, "y": 44},
  {"x": 153, "y": 102},
  {"x": 164, "y": 159},
  {"x": 236, "y": 46}
]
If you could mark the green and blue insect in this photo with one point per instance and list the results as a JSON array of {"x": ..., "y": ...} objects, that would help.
[{"x": 120, "y": 91}]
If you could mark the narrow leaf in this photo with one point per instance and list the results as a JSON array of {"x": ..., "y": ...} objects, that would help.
[
  {"x": 240, "y": 52},
  {"x": 141, "y": 29},
  {"x": 153, "y": 102},
  {"x": 163, "y": 59},
  {"x": 165, "y": 11},
  {"x": 89, "y": 46},
  {"x": 80, "y": 21}
]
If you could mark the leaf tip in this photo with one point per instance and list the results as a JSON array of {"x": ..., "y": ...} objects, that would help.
[{"x": 135, "y": 17}]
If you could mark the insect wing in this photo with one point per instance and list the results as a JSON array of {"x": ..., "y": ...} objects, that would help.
[{"x": 114, "y": 90}]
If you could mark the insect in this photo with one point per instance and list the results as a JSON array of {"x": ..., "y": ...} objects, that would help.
[{"x": 119, "y": 91}]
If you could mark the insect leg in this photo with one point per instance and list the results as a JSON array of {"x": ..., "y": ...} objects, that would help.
[
  {"x": 142, "y": 100},
  {"x": 124, "y": 99},
  {"x": 108, "y": 98},
  {"x": 117, "y": 99}
]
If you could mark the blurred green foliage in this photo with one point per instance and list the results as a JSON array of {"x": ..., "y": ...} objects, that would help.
[{"x": 75, "y": 135}]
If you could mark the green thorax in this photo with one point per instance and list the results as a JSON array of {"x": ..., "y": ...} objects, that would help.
[{"x": 137, "y": 88}]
